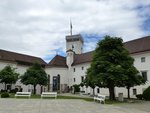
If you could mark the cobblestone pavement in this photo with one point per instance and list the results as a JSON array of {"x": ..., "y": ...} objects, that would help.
[{"x": 60, "y": 106}]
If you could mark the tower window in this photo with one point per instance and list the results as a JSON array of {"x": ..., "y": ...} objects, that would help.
[
  {"x": 72, "y": 46},
  {"x": 82, "y": 68},
  {"x": 74, "y": 69},
  {"x": 142, "y": 59}
]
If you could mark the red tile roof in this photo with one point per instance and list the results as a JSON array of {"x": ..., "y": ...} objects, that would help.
[
  {"x": 20, "y": 58},
  {"x": 134, "y": 46},
  {"x": 83, "y": 58},
  {"x": 138, "y": 45},
  {"x": 57, "y": 61}
]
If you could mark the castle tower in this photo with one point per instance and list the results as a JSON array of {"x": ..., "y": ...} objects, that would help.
[{"x": 74, "y": 43}]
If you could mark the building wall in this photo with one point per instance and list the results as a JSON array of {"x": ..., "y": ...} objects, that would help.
[
  {"x": 73, "y": 76},
  {"x": 79, "y": 71},
  {"x": 55, "y": 71},
  {"x": 21, "y": 69},
  {"x": 77, "y": 46},
  {"x": 141, "y": 66}
]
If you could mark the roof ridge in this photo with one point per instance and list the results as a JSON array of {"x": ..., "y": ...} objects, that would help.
[
  {"x": 138, "y": 39},
  {"x": 19, "y": 53},
  {"x": 60, "y": 56}
]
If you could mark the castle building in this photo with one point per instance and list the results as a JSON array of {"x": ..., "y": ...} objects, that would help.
[{"x": 64, "y": 72}]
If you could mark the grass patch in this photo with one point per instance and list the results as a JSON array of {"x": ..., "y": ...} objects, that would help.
[
  {"x": 12, "y": 95},
  {"x": 113, "y": 102}
]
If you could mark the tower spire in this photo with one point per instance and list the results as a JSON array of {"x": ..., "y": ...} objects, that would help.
[{"x": 70, "y": 27}]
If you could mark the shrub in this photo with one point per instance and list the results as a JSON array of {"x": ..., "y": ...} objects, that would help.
[
  {"x": 5, "y": 95},
  {"x": 76, "y": 88},
  {"x": 14, "y": 90},
  {"x": 146, "y": 94},
  {"x": 2, "y": 90},
  {"x": 139, "y": 96}
]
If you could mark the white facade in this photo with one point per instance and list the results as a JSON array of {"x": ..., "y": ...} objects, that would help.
[{"x": 75, "y": 74}]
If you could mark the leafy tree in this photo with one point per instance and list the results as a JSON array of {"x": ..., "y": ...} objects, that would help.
[
  {"x": 35, "y": 75},
  {"x": 90, "y": 80},
  {"x": 76, "y": 88},
  {"x": 133, "y": 79},
  {"x": 146, "y": 93},
  {"x": 109, "y": 65},
  {"x": 8, "y": 75}
]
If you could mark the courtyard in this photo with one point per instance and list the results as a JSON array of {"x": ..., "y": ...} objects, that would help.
[{"x": 12, "y": 105}]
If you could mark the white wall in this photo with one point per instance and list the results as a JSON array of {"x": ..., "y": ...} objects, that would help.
[
  {"x": 21, "y": 69},
  {"x": 55, "y": 71},
  {"x": 79, "y": 72},
  {"x": 77, "y": 46}
]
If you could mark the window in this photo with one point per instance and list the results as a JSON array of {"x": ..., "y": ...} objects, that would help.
[
  {"x": 144, "y": 75},
  {"x": 82, "y": 78},
  {"x": 74, "y": 79},
  {"x": 74, "y": 69},
  {"x": 142, "y": 59},
  {"x": 82, "y": 68},
  {"x": 134, "y": 92},
  {"x": 98, "y": 91}
]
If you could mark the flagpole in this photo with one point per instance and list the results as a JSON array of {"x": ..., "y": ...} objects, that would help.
[{"x": 70, "y": 27}]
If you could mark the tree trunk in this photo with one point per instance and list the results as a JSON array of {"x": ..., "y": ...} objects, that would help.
[
  {"x": 111, "y": 92},
  {"x": 34, "y": 92},
  {"x": 5, "y": 86},
  {"x": 93, "y": 92},
  {"x": 128, "y": 88},
  {"x": 41, "y": 89}
]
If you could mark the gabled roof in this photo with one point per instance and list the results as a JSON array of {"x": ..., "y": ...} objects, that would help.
[
  {"x": 83, "y": 58},
  {"x": 20, "y": 58},
  {"x": 58, "y": 61},
  {"x": 134, "y": 46},
  {"x": 138, "y": 45}
]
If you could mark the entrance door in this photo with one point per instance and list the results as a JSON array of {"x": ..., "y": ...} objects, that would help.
[{"x": 56, "y": 83}]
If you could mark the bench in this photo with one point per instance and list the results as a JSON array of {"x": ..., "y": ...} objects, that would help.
[
  {"x": 23, "y": 94},
  {"x": 49, "y": 94},
  {"x": 100, "y": 98}
]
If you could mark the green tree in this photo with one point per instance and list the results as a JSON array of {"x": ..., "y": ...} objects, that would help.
[
  {"x": 35, "y": 75},
  {"x": 8, "y": 75},
  {"x": 133, "y": 79},
  {"x": 90, "y": 80},
  {"x": 110, "y": 63}
]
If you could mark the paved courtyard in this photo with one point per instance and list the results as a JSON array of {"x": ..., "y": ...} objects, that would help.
[{"x": 61, "y": 106}]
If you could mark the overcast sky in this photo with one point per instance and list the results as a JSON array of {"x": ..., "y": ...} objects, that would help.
[{"x": 39, "y": 27}]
